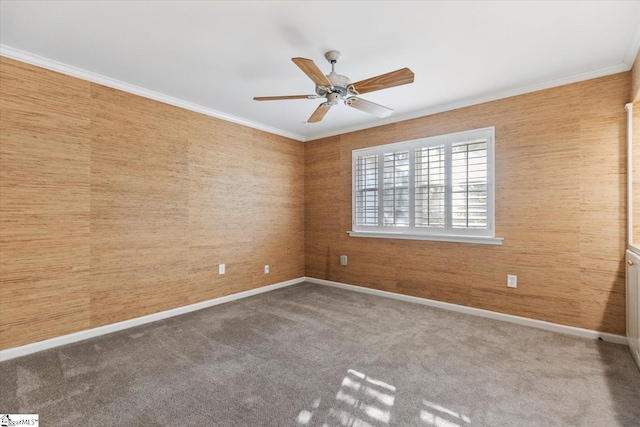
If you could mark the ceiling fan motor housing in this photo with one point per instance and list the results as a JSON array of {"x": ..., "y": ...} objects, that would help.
[{"x": 339, "y": 82}]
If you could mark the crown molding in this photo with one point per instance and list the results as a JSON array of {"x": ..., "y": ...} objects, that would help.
[
  {"x": 478, "y": 100},
  {"x": 70, "y": 70}
]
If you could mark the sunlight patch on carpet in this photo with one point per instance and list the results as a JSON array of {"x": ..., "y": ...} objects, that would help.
[
  {"x": 361, "y": 401},
  {"x": 439, "y": 416}
]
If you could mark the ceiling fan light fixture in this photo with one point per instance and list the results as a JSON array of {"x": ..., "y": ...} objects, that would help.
[{"x": 333, "y": 98}]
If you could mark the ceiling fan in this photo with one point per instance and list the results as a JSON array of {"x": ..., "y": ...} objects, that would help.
[{"x": 336, "y": 87}]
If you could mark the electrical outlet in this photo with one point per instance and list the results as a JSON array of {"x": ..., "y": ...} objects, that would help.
[
  {"x": 266, "y": 268},
  {"x": 512, "y": 281},
  {"x": 221, "y": 268}
]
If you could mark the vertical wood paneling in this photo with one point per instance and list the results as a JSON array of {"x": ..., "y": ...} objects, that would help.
[
  {"x": 322, "y": 224},
  {"x": 246, "y": 208},
  {"x": 217, "y": 234},
  {"x": 139, "y": 206},
  {"x": 603, "y": 203},
  {"x": 113, "y": 206},
  {"x": 560, "y": 206},
  {"x": 44, "y": 204},
  {"x": 277, "y": 214}
]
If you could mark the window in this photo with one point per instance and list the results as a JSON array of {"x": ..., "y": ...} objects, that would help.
[{"x": 437, "y": 188}]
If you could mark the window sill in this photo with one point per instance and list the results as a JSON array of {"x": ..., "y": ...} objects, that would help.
[{"x": 442, "y": 238}]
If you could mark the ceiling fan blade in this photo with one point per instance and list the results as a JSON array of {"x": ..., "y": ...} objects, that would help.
[
  {"x": 278, "y": 98},
  {"x": 312, "y": 70},
  {"x": 319, "y": 113},
  {"x": 384, "y": 81},
  {"x": 368, "y": 107}
]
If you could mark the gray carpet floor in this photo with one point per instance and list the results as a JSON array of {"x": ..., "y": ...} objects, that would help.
[{"x": 311, "y": 355}]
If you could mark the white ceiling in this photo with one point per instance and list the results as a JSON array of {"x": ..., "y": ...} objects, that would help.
[{"x": 215, "y": 56}]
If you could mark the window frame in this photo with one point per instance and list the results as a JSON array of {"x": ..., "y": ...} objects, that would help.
[{"x": 448, "y": 233}]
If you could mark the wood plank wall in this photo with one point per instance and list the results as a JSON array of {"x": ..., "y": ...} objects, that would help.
[
  {"x": 560, "y": 207},
  {"x": 114, "y": 206}
]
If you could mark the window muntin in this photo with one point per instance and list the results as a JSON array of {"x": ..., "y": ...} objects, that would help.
[{"x": 437, "y": 186}]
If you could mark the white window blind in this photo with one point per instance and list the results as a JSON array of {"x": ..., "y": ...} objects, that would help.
[
  {"x": 430, "y": 208},
  {"x": 366, "y": 190},
  {"x": 469, "y": 185},
  {"x": 395, "y": 195},
  {"x": 433, "y": 187}
]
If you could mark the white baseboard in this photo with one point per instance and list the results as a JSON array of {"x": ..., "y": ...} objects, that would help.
[
  {"x": 525, "y": 321},
  {"x": 12, "y": 353}
]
